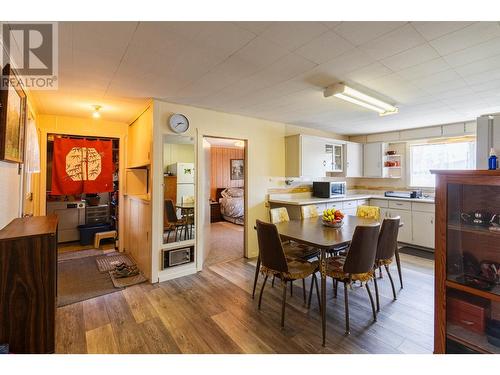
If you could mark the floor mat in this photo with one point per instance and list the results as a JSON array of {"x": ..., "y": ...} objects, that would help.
[
  {"x": 417, "y": 252},
  {"x": 122, "y": 282},
  {"x": 106, "y": 263},
  {"x": 79, "y": 280}
]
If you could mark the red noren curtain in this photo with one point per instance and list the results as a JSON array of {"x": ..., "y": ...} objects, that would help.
[{"x": 82, "y": 166}]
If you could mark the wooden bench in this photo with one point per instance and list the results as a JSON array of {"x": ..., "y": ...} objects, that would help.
[{"x": 102, "y": 235}]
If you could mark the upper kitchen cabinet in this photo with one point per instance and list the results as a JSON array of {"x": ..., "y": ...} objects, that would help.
[
  {"x": 139, "y": 140},
  {"x": 312, "y": 157},
  {"x": 372, "y": 159},
  {"x": 354, "y": 159}
]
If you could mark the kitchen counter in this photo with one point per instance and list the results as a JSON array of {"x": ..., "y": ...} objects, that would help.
[{"x": 303, "y": 201}]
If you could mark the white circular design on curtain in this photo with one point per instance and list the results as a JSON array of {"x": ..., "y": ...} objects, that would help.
[{"x": 83, "y": 163}]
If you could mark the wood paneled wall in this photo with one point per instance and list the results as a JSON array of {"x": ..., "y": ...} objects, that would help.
[{"x": 221, "y": 168}]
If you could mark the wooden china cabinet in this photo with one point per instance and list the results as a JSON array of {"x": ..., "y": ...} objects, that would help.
[{"x": 467, "y": 274}]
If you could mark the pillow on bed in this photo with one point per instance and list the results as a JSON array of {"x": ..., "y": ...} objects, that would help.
[{"x": 232, "y": 193}]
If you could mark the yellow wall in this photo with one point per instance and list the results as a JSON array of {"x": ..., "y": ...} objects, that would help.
[{"x": 173, "y": 153}]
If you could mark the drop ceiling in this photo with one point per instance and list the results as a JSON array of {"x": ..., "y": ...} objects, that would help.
[{"x": 435, "y": 72}]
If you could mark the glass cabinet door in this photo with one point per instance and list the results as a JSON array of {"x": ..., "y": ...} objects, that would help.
[{"x": 473, "y": 267}]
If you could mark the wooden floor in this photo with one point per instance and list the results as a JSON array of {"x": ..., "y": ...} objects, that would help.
[{"x": 213, "y": 312}]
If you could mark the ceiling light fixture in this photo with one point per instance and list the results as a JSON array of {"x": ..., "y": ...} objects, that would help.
[
  {"x": 96, "y": 113},
  {"x": 347, "y": 93}
]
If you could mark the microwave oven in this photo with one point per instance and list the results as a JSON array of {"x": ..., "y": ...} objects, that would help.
[{"x": 329, "y": 189}]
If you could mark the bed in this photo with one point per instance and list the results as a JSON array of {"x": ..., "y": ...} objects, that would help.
[{"x": 232, "y": 204}]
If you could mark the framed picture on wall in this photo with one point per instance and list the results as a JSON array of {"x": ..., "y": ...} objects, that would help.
[
  {"x": 237, "y": 169},
  {"x": 12, "y": 117}
]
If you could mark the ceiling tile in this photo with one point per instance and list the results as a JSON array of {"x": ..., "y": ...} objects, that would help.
[
  {"x": 477, "y": 52},
  {"x": 424, "y": 69},
  {"x": 474, "y": 34},
  {"x": 292, "y": 35},
  {"x": 393, "y": 42},
  {"x": 411, "y": 57},
  {"x": 324, "y": 48},
  {"x": 432, "y": 29},
  {"x": 480, "y": 66},
  {"x": 361, "y": 32},
  {"x": 367, "y": 73},
  {"x": 256, "y": 27}
]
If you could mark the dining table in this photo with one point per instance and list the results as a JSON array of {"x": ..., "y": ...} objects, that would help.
[{"x": 313, "y": 233}]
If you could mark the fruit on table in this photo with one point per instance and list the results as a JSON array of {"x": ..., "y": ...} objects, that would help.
[{"x": 332, "y": 215}]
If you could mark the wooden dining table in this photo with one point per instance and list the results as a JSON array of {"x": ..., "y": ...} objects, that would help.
[{"x": 312, "y": 232}]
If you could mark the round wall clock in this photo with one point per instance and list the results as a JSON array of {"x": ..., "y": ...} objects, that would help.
[{"x": 178, "y": 123}]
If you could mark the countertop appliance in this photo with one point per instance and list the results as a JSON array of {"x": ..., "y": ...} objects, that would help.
[
  {"x": 329, "y": 189},
  {"x": 404, "y": 194},
  {"x": 71, "y": 215}
]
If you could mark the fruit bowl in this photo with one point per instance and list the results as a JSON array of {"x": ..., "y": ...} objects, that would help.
[
  {"x": 333, "y": 218},
  {"x": 333, "y": 224}
]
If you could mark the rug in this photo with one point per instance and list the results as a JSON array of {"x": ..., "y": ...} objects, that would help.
[
  {"x": 79, "y": 280},
  {"x": 106, "y": 263},
  {"x": 417, "y": 252},
  {"x": 122, "y": 282}
]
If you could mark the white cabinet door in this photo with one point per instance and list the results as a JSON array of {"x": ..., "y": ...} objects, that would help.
[
  {"x": 354, "y": 159},
  {"x": 405, "y": 232},
  {"x": 372, "y": 159},
  {"x": 349, "y": 211},
  {"x": 423, "y": 229},
  {"x": 337, "y": 158},
  {"x": 384, "y": 213},
  {"x": 315, "y": 160}
]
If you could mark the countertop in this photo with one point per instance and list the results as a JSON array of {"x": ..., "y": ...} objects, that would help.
[{"x": 302, "y": 201}]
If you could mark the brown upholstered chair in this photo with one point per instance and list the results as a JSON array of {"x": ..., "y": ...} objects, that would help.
[
  {"x": 386, "y": 248},
  {"x": 357, "y": 265},
  {"x": 275, "y": 263},
  {"x": 292, "y": 249},
  {"x": 174, "y": 224}
]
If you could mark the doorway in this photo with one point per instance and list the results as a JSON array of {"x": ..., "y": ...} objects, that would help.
[{"x": 226, "y": 177}]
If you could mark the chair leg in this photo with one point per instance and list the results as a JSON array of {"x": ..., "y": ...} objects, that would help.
[
  {"x": 283, "y": 303},
  {"x": 346, "y": 302},
  {"x": 392, "y": 282},
  {"x": 335, "y": 287},
  {"x": 257, "y": 268},
  {"x": 371, "y": 301},
  {"x": 272, "y": 283},
  {"x": 168, "y": 235},
  {"x": 398, "y": 263},
  {"x": 291, "y": 288},
  {"x": 317, "y": 292},
  {"x": 376, "y": 293},
  {"x": 310, "y": 291},
  {"x": 262, "y": 290},
  {"x": 380, "y": 272},
  {"x": 304, "y": 290}
]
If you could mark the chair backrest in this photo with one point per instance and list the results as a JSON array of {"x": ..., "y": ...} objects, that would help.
[
  {"x": 369, "y": 212},
  {"x": 187, "y": 199},
  {"x": 363, "y": 248},
  {"x": 279, "y": 215},
  {"x": 309, "y": 211},
  {"x": 170, "y": 210},
  {"x": 388, "y": 238},
  {"x": 271, "y": 251}
]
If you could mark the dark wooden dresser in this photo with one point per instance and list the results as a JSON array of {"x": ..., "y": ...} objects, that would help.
[{"x": 28, "y": 284}]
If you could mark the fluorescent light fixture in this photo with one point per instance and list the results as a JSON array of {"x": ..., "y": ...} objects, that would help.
[
  {"x": 347, "y": 93},
  {"x": 96, "y": 113}
]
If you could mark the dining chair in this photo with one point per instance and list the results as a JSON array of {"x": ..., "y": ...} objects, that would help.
[
  {"x": 275, "y": 263},
  {"x": 369, "y": 212},
  {"x": 357, "y": 265},
  {"x": 174, "y": 224},
  {"x": 386, "y": 248},
  {"x": 292, "y": 249}
]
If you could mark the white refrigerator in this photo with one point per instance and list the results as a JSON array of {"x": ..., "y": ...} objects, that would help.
[{"x": 185, "y": 179}]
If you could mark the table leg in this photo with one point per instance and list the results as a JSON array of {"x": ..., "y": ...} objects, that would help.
[{"x": 323, "y": 293}]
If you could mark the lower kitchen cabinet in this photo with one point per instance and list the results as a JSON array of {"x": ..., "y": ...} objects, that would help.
[
  {"x": 405, "y": 232},
  {"x": 423, "y": 229}
]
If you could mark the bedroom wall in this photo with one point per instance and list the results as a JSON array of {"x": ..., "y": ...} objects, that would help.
[{"x": 221, "y": 170}]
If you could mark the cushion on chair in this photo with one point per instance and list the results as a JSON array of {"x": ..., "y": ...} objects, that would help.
[
  {"x": 297, "y": 269},
  {"x": 294, "y": 250},
  {"x": 382, "y": 262},
  {"x": 368, "y": 212},
  {"x": 335, "y": 269}
]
